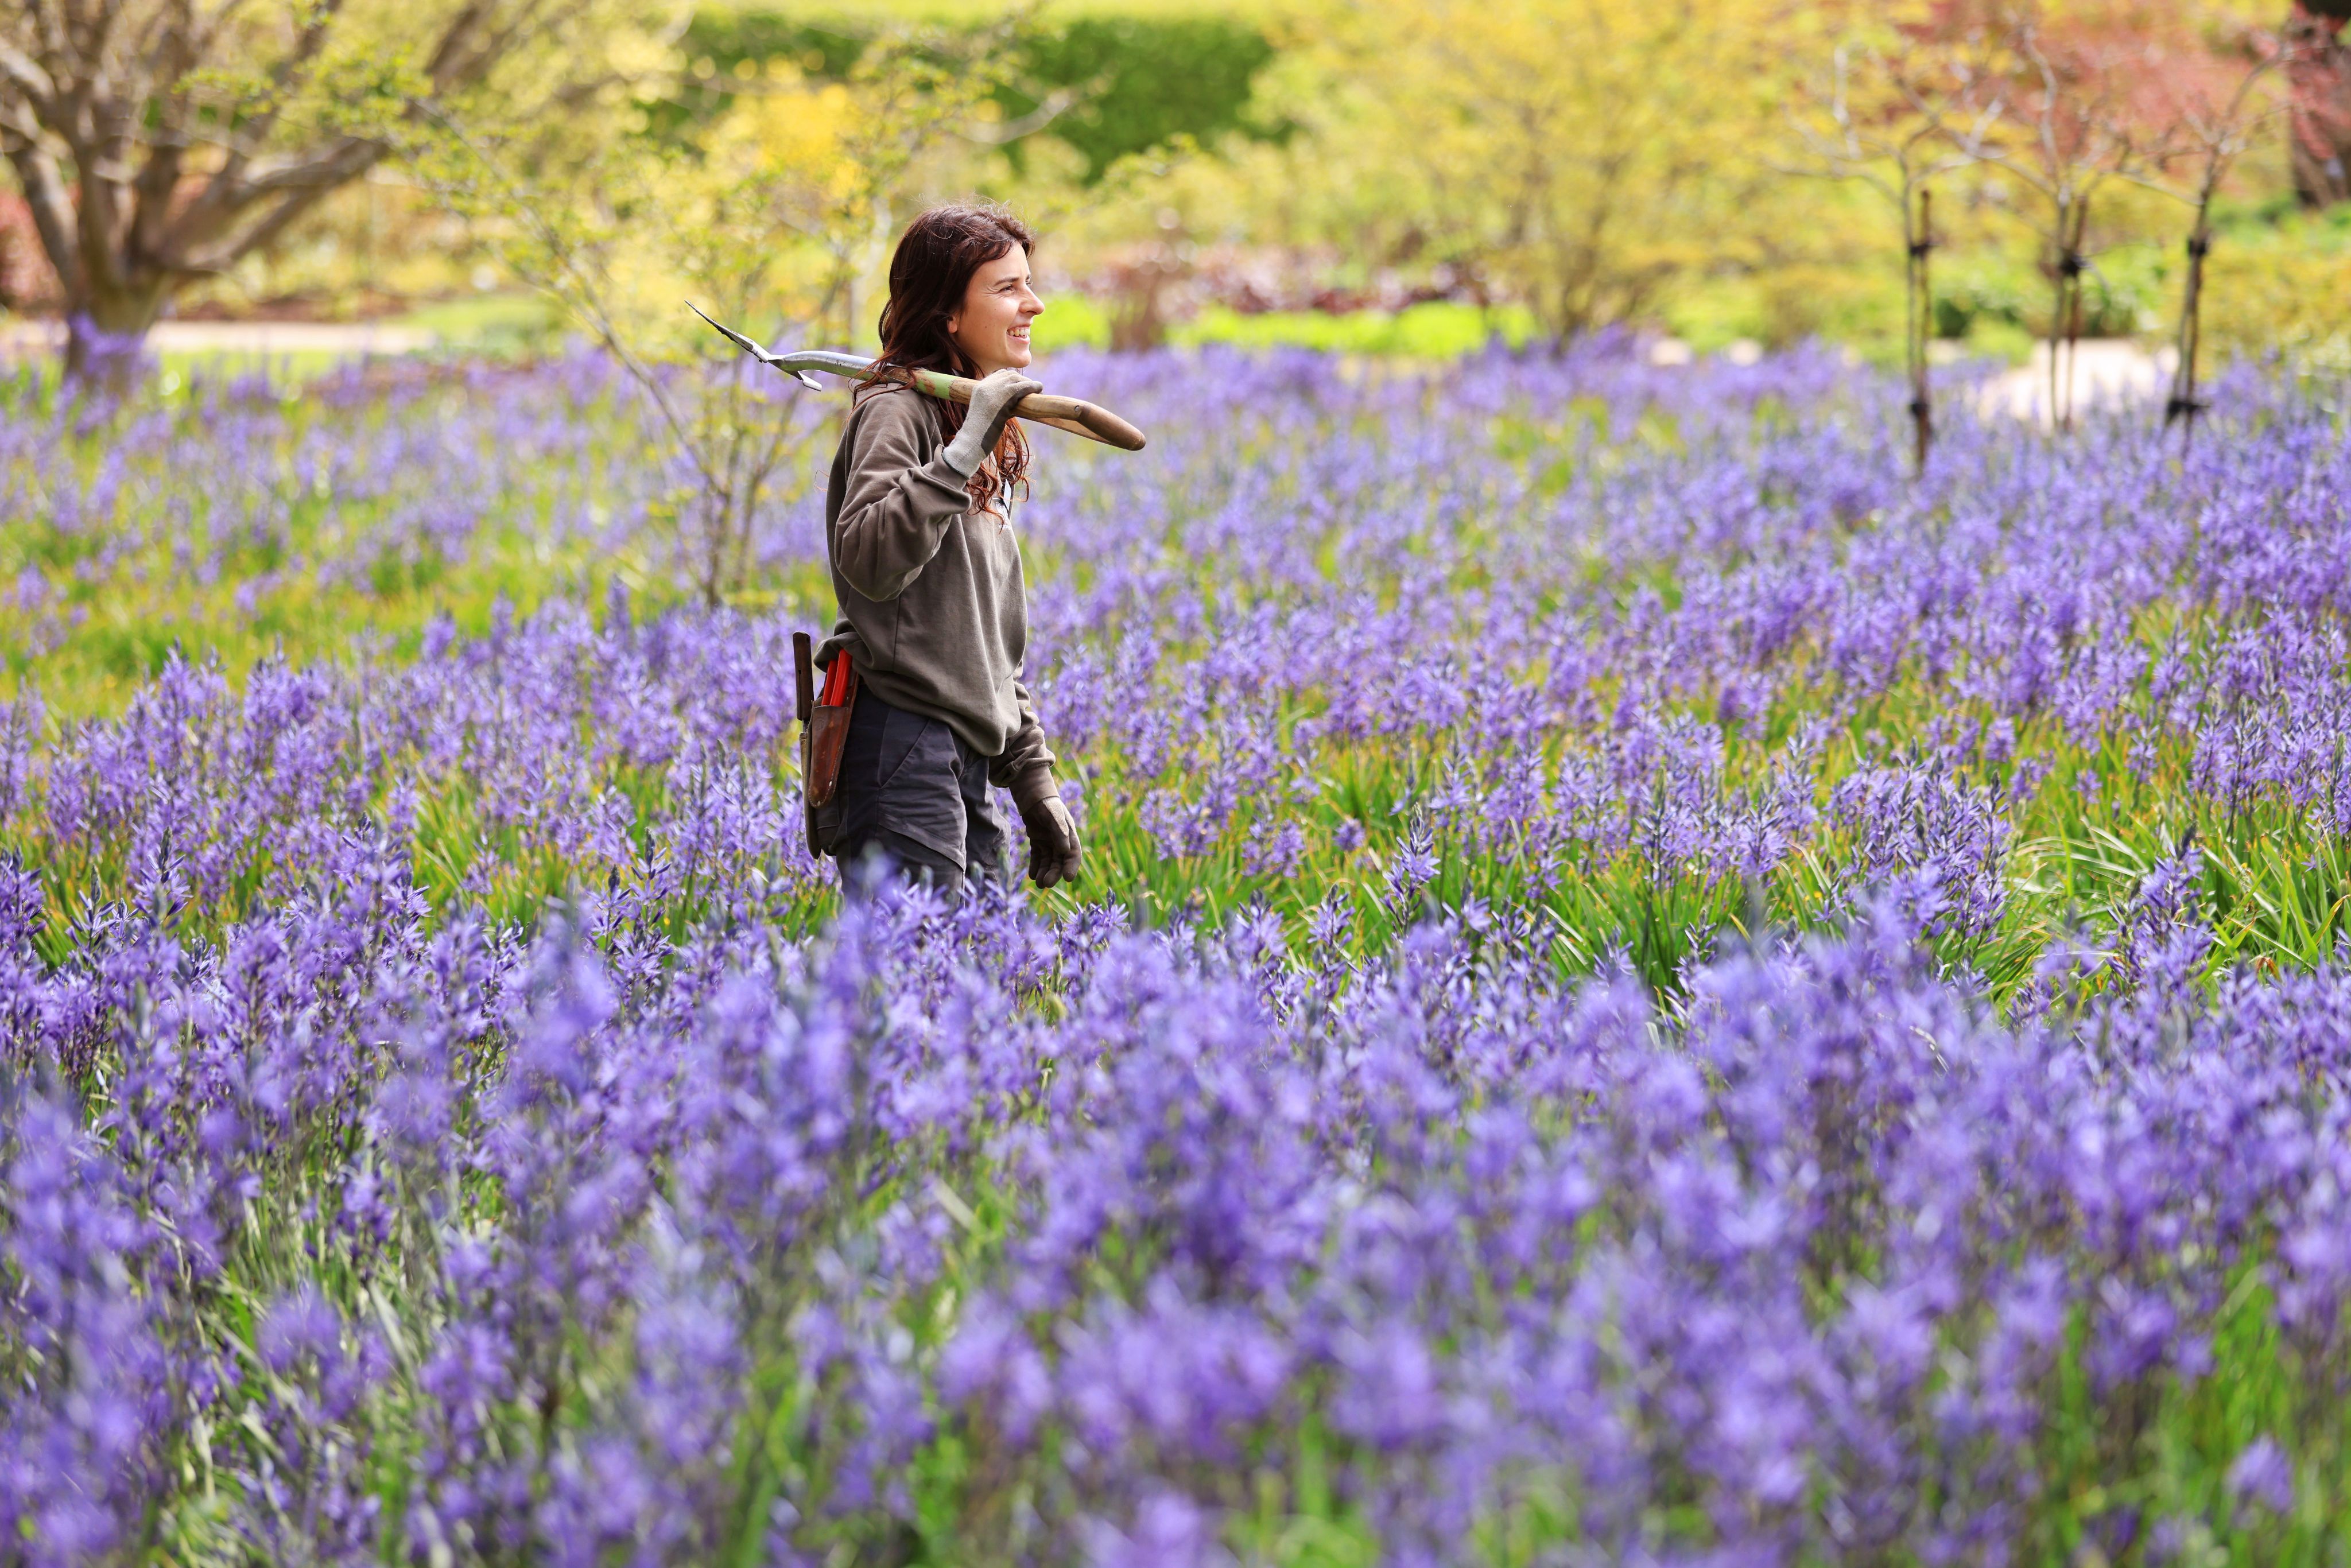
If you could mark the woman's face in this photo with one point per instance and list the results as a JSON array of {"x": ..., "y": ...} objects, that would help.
[{"x": 992, "y": 326}]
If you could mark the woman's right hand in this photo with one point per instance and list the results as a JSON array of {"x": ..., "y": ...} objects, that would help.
[{"x": 992, "y": 402}]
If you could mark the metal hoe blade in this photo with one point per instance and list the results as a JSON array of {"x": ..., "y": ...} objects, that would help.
[{"x": 781, "y": 362}]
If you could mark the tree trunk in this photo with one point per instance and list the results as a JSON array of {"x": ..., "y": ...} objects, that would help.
[
  {"x": 106, "y": 328},
  {"x": 1918, "y": 322},
  {"x": 2318, "y": 74}
]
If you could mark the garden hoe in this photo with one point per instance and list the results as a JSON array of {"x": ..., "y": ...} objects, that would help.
[{"x": 1072, "y": 414}]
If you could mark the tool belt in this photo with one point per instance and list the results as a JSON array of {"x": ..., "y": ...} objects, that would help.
[{"x": 824, "y": 734}]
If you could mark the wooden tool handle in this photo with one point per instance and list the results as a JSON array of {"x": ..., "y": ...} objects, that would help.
[
  {"x": 803, "y": 676},
  {"x": 1079, "y": 417},
  {"x": 1073, "y": 414}
]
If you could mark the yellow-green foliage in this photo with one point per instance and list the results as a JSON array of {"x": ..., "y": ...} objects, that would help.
[
  {"x": 771, "y": 217},
  {"x": 2284, "y": 292},
  {"x": 1582, "y": 154}
]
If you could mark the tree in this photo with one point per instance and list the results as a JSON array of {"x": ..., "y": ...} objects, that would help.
[
  {"x": 2319, "y": 72},
  {"x": 157, "y": 141},
  {"x": 1581, "y": 153},
  {"x": 2076, "y": 127},
  {"x": 773, "y": 217},
  {"x": 1896, "y": 118},
  {"x": 2218, "y": 121}
]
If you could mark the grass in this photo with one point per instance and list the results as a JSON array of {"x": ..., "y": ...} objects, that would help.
[
  {"x": 484, "y": 319},
  {"x": 120, "y": 641}
]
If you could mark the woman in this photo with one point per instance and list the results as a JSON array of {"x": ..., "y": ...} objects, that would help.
[{"x": 926, "y": 570}]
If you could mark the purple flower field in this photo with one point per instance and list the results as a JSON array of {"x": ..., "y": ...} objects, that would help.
[{"x": 1649, "y": 988}]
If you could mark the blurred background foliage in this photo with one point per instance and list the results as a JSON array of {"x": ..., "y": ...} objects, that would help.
[{"x": 1368, "y": 177}]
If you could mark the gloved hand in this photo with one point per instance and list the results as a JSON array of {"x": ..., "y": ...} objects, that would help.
[
  {"x": 984, "y": 422},
  {"x": 1054, "y": 854}
]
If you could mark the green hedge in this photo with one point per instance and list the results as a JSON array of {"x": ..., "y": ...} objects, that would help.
[
  {"x": 1160, "y": 78},
  {"x": 1154, "y": 79}
]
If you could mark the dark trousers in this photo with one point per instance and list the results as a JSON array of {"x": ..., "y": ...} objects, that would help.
[{"x": 914, "y": 796}]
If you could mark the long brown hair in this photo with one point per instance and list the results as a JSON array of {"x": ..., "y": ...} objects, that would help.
[{"x": 929, "y": 275}]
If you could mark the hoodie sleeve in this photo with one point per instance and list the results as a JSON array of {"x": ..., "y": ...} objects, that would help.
[
  {"x": 1026, "y": 768},
  {"x": 902, "y": 495}
]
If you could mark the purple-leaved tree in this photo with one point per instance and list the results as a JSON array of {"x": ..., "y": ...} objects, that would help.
[{"x": 2320, "y": 74}]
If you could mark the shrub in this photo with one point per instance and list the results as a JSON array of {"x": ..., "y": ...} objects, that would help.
[
  {"x": 2280, "y": 293},
  {"x": 2124, "y": 293}
]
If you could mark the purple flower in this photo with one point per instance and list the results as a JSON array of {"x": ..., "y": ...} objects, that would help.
[{"x": 2264, "y": 1474}]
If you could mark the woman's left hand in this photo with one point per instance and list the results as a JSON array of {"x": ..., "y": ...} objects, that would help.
[
  {"x": 992, "y": 402},
  {"x": 1054, "y": 853}
]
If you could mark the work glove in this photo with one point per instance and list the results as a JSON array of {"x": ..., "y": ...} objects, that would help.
[
  {"x": 1053, "y": 852},
  {"x": 983, "y": 423}
]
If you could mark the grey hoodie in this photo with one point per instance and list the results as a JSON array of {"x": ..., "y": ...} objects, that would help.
[{"x": 934, "y": 608}]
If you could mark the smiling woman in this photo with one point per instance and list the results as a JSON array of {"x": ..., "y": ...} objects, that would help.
[
  {"x": 991, "y": 327},
  {"x": 960, "y": 301},
  {"x": 932, "y": 628}
]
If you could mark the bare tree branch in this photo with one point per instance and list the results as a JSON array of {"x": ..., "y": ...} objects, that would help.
[
  {"x": 45, "y": 191},
  {"x": 298, "y": 190},
  {"x": 26, "y": 78},
  {"x": 1050, "y": 108}
]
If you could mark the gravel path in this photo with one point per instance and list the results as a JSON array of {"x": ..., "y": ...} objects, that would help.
[
  {"x": 2107, "y": 371},
  {"x": 19, "y": 337}
]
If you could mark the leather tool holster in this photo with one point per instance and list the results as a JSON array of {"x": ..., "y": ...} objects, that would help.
[{"x": 824, "y": 734}]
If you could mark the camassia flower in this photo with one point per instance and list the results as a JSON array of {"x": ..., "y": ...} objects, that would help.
[
  {"x": 746, "y": 1243},
  {"x": 1643, "y": 1043}
]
